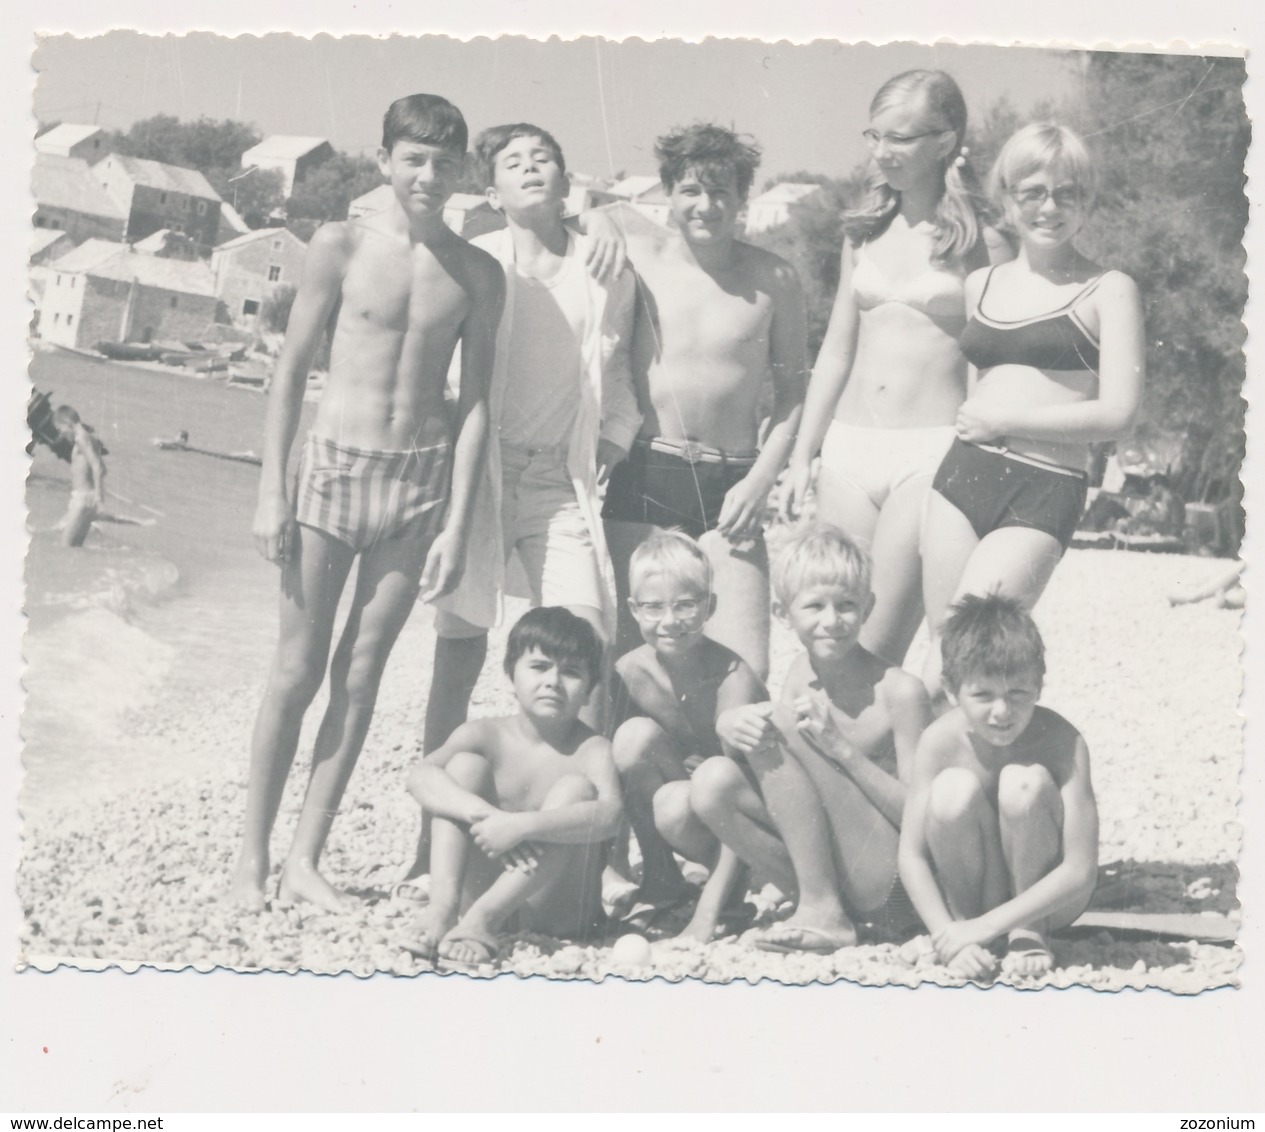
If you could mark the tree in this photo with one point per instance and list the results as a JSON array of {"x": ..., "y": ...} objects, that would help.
[
  {"x": 327, "y": 190},
  {"x": 1170, "y": 134}
]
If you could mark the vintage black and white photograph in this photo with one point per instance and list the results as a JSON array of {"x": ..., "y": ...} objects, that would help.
[{"x": 722, "y": 511}]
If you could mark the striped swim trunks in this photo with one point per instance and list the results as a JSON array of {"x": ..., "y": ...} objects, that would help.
[{"x": 361, "y": 496}]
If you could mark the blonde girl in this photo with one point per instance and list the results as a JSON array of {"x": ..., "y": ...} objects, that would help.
[
  {"x": 1056, "y": 348},
  {"x": 890, "y": 377}
]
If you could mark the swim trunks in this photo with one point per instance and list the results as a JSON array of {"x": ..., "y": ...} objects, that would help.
[
  {"x": 669, "y": 483},
  {"x": 876, "y": 461},
  {"x": 996, "y": 488},
  {"x": 362, "y": 497},
  {"x": 1059, "y": 340}
]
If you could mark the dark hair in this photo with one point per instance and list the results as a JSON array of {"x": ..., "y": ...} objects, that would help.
[
  {"x": 495, "y": 138},
  {"x": 989, "y": 636},
  {"x": 425, "y": 119},
  {"x": 707, "y": 148},
  {"x": 558, "y": 634},
  {"x": 962, "y": 206}
]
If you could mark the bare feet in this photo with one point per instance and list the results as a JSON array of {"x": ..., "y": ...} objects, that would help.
[
  {"x": 917, "y": 950},
  {"x": 247, "y": 889},
  {"x": 700, "y": 928},
  {"x": 301, "y": 882},
  {"x": 1027, "y": 955}
]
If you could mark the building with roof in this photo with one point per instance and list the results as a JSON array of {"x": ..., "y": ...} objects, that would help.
[
  {"x": 68, "y": 198},
  {"x": 47, "y": 244},
  {"x": 293, "y": 157},
  {"x": 231, "y": 224},
  {"x": 643, "y": 192},
  {"x": 105, "y": 292},
  {"x": 88, "y": 143},
  {"x": 467, "y": 214},
  {"x": 249, "y": 269},
  {"x": 156, "y": 195},
  {"x": 773, "y": 207}
]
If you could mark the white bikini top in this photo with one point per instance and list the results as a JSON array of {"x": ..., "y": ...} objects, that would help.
[{"x": 939, "y": 291}]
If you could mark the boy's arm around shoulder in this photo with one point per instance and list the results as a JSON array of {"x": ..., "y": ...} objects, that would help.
[
  {"x": 932, "y": 754},
  {"x": 621, "y": 415},
  {"x": 437, "y": 792},
  {"x": 446, "y": 559},
  {"x": 320, "y": 288},
  {"x": 588, "y": 821}
]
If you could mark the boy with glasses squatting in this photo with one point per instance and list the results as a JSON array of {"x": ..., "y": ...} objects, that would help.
[{"x": 677, "y": 697}]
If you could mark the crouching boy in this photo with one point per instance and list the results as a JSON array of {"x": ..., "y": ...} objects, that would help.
[
  {"x": 1000, "y": 834},
  {"x": 831, "y": 761},
  {"x": 520, "y": 806},
  {"x": 674, "y": 695}
]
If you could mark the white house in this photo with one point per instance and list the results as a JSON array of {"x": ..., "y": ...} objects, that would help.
[
  {"x": 773, "y": 207},
  {"x": 67, "y": 140},
  {"x": 643, "y": 192},
  {"x": 250, "y": 268},
  {"x": 467, "y": 214},
  {"x": 294, "y": 157}
]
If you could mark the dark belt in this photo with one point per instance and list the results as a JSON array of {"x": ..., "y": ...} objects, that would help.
[{"x": 694, "y": 453}]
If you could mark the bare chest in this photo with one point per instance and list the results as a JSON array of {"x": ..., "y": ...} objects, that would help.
[{"x": 403, "y": 291}]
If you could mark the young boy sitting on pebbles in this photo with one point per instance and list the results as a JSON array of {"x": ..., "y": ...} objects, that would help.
[
  {"x": 676, "y": 694},
  {"x": 520, "y": 805},
  {"x": 831, "y": 760},
  {"x": 1000, "y": 835}
]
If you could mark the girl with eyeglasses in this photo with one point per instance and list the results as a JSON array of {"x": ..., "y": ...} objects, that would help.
[
  {"x": 1056, "y": 346},
  {"x": 890, "y": 377}
]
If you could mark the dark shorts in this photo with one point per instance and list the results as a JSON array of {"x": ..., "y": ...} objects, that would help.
[
  {"x": 666, "y": 489},
  {"x": 995, "y": 489}
]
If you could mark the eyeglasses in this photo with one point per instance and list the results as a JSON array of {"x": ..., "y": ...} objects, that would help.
[
  {"x": 684, "y": 610},
  {"x": 1065, "y": 196},
  {"x": 896, "y": 141}
]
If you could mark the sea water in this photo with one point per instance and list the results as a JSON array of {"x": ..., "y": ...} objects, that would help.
[{"x": 168, "y": 600}]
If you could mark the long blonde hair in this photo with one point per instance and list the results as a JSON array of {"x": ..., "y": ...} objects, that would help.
[{"x": 962, "y": 206}]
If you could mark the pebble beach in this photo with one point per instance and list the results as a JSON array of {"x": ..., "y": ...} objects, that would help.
[{"x": 129, "y": 873}]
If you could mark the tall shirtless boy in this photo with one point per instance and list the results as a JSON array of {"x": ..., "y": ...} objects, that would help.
[
  {"x": 374, "y": 477},
  {"x": 716, "y": 317}
]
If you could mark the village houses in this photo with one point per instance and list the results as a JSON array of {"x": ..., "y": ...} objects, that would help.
[
  {"x": 642, "y": 192},
  {"x": 88, "y": 143},
  {"x": 107, "y": 292},
  {"x": 156, "y": 195},
  {"x": 68, "y": 198},
  {"x": 467, "y": 214},
  {"x": 249, "y": 270},
  {"x": 293, "y": 157}
]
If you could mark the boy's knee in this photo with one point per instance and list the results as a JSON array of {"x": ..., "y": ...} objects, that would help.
[
  {"x": 672, "y": 812},
  {"x": 298, "y": 673},
  {"x": 954, "y": 794},
  {"x": 633, "y": 740},
  {"x": 568, "y": 790},
  {"x": 1022, "y": 788},
  {"x": 714, "y": 786}
]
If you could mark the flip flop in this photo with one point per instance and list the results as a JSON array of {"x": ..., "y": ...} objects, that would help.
[
  {"x": 411, "y": 892},
  {"x": 645, "y": 914},
  {"x": 813, "y": 941},
  {"x": 426, "y": 949},
  {"x": 1025, "y": 944},
  {"x": 488, "y": 944}
]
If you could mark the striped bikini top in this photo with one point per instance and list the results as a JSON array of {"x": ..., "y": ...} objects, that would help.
[{"x": 1059, "y": 340}]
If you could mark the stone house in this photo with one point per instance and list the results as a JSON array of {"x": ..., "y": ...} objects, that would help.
[
  {"x": 106, "y": 292},
  {"x": 773, "y": 207},
  {"x": 250, "y": 268},
  {"x": 155, "y": 195},
  {"x": 68, "y": 198}
]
